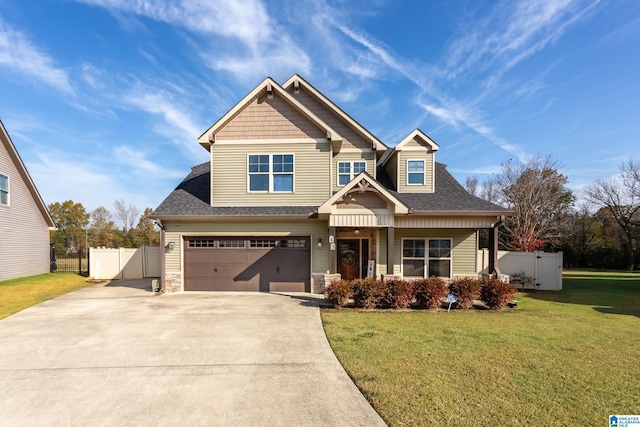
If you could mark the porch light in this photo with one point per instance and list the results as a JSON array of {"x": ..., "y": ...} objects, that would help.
[
  {"x": 170, "y": 245},
  {"x": 356, "y": 232},
  {"x": 319, "y": 242}
]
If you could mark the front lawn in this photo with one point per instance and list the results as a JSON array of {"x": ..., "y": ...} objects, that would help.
[
  {"x": 562, "y": 358},
  {"x": 18, "y": 294}
]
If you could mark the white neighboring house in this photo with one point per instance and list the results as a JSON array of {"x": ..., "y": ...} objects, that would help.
[{"x": 24, "y": 218}]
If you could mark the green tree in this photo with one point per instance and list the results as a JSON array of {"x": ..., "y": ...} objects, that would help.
[
  {"x": 71, "y": 220},
  {"x": 103, "y": 228},
  {"x": 146, "y": 232}
]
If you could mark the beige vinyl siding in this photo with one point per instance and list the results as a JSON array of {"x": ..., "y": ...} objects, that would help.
[
  {"x": 351, "y": 138},
  {"x": 314, "y": 228},
  {"x": 352, "y": 156},
  {"x": 392, "y": 169},
  {"x": 269, "y": 119},
  {"x": 445, "y": 221},
  {"x": 311, "y": 173},
  {"x": 463, "y": 254},
  {"x": 24, "y": 233},
  {"x": 381, "y": 248},
  {"x": 402, "y": 158}
]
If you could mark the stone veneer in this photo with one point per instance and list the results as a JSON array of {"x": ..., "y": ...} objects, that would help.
[
  {"x": 322, "y": 280},
  {"x": 173, "y": 282}
]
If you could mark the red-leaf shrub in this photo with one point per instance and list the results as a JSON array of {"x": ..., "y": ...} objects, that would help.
[
  {"x": 338, "y": 292},
  {"x": 429, "y": 292},
  {"x": 398, "y": 293},
  {"x": 496, "y": 293},
  {"x": 368, "y": 293},
  {"x": 465, "y": 290}
]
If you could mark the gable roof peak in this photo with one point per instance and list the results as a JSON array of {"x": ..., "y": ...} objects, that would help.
[{"x": 421, "y": 135}]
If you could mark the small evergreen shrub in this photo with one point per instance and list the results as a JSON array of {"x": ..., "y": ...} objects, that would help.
[
  {"x": 398, "y": 293},
  {"x": 368, "y": 293},
  {"x": 465, "y": 290},
  {"x": 496, "y": 293},
  {"x": 338, "y": 292},
  {"x": 429, "y": 292}
]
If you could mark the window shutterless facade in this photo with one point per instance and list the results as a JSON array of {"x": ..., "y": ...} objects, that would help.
[
  {"x": 348, "y": 170},
  {"x": 270, "y": 173},
  {"x": 426, "y": 258},
  {"x": 415, "y": 172},
  {"x": 4, "y": 190}
]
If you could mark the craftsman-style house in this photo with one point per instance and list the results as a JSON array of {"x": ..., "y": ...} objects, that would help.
[{"x": 296, "y": 192}]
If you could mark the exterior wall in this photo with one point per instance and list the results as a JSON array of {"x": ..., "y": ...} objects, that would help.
[
  {"x": 24, "y": 233},
  {"x": 445, "y": 222},
  {"x": 351, "y": 139},
  {"x": 392, "y": 169},
  {"x": 463, "y": 254},
  {"x": 381, "y": 252},
  {"x": 367, "y": 155},
  {"x": 268, "y": 119},
  {"x": 311, "y": 173},
  {"x": 402, "y": 158},
  {"x": 174, "y": 258}
]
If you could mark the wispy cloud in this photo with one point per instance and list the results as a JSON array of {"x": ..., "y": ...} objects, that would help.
[{"x": 20, "y": 56}]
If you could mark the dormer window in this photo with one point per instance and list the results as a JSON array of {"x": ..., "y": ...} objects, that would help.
[
  {"x": 349, "y": 170},
  {"x": 415, "y": 172}
]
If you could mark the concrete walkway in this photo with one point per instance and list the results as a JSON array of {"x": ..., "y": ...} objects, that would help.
[{"x": 118, "y": 355}]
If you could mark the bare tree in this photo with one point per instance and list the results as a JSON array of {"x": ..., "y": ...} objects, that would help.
[
  {"x": 490, "y": 191},
  {"x": 541, "y": 203},
  {"x": 127, "y": 215},
  {"x": 621, "y": 197},
  {"x": 471, "y": 185}
]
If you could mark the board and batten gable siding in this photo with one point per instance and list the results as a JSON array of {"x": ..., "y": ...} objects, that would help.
[
  {"x": 367, "y": 155},
  {"x": 464, "y": 253},
  {"x": 350, "y": 138},
  {"x": 402, "y": 157},
  {"x": 311, "y": 180},
  {"x": 317, "y": 229},
  {"x": 24, "y": 233},
  {"x": 266, "y": 118}
]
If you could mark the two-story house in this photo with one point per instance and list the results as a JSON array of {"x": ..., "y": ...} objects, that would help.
[
  {"x": 296, "y": 192},
  {"x": 24, "y": 218}
]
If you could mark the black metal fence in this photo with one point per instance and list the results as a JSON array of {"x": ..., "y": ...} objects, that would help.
[{"x": 71, "y": 262}]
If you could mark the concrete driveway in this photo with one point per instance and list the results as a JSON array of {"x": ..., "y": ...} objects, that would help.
[{"x": 118, "y": 355}]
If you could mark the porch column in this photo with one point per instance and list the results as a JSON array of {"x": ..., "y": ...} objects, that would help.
[
  {"x": 493, "y": 252},
  {"x": 390, "y": 246},
  {"x": 333, "y": 253}
]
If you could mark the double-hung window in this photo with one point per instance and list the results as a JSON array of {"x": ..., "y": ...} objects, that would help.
[
  {"x": 426, "y": 257},
  {"x": 270, "y": 173},
  {"x": 4, "y": 190},
  {"x": 349, "y": 170},
  {"x": 415, "y": 172}
]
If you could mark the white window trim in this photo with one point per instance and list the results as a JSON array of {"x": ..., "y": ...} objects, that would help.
[
  {"x": 424, "y": 170},
  {"x": 271, "y": 174},
  {"x": 426, "y": 258},
  {"x": 8, "y": 191},
  {"x": 352, "y": 174}
]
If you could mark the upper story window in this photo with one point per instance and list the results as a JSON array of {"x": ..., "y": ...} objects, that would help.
[
  {"x": 349, "y": 170},
  {"x": 4, "y": 190},
  {"x": 270, "y": 173},
  {"x": 415, "y": 172}
]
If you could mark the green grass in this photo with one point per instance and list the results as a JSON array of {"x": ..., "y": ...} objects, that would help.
[
  {"x": 562, "y": 358},
  {"x": 18, "y": 294}
]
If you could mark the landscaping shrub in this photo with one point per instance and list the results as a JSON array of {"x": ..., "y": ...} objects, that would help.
[
  {"x": 338, "y": 292},
  {"x": 465, "y": 290},
  {"x": 496, "y": 293},
  {"x": 368, "y": 293},
  {"x": 398, "y": 293},
  {"x": 429, "y": 292}
]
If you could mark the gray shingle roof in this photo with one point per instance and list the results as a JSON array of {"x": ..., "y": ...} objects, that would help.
[{"x": 192, "y": 198}]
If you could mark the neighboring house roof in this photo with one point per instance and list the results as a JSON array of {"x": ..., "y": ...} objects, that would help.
[
  {"x": 192, "y": 198},
  {"x": 24, "y": 174}
]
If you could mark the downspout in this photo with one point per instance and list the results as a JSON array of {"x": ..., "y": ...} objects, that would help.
[
  {"x": 162, "y": 255},
  {"x": 493, "y": 255}
]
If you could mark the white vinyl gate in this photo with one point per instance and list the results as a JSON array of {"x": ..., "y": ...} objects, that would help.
[
  {"x": 545, "y": 268},
  {"x": 124, "y": 263}
]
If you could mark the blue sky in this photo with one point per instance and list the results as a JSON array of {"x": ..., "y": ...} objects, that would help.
[{"x": 105, "y": 99}]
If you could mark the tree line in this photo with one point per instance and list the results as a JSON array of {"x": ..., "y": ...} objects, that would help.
[
  {"x": 78, "y": 229},
  {"x": 599, "y": 227}
]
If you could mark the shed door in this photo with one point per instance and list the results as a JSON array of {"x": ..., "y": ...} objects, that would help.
[{"x": 265, "y": 264}]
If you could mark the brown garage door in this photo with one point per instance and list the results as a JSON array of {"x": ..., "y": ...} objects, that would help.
[{"x": 266, "y": 264}]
